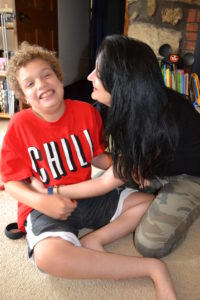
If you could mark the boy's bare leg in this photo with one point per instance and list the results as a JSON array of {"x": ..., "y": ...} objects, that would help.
[
  {"x": 62, "y": 259},
  {"x": 134, "y": 208}
]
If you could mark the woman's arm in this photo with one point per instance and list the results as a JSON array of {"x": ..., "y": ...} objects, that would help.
[
  {"x": 102, "y": 161},
  {"x": 90, "y": 188},
  {"x": 94, "y": 187},
  {"x": 54, "y": 206}
]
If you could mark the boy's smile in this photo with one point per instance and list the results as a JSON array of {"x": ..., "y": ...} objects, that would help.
[{"x": 46, "y": 94}]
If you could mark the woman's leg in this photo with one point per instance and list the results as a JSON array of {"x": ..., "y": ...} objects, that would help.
[
  {"x": 134, "y": 207},
  {"x": 165, "y": 224},
  {"x": 60, "y": 258}
]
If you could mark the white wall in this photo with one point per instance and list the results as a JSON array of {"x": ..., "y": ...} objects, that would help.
[{"x": 73, "y": 38}]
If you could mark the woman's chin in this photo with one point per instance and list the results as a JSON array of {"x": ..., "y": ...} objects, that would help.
[{"x": 93, "y": 96}]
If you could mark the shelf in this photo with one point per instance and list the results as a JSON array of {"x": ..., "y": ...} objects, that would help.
[
  {"x": 4, "y": 115},
  {"x": 9, "y": 26},
  {"x": 6, "y": 10},
  {"x": 2, "y": 74},
  {"x": 197, "y": 108},
  {"x": 7, "y": 45}
]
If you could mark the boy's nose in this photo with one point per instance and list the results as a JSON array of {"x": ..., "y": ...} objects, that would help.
[{"x": 40, "y": 82}]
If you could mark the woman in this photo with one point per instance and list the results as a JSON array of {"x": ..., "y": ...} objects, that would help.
[
  {"x": 154, "y": 138},
  {"x": 154, "y": 135}
]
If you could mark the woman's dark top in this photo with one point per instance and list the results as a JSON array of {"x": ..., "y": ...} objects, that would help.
[{"x": 187, "y": 155}]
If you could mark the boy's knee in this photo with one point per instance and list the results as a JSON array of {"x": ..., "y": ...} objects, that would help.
[
  {"x": 46, "y": 255},
  {"x": 41, "y": 258}
]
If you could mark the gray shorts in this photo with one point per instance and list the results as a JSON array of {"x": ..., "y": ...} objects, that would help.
[{"x": 91, "y": 213}]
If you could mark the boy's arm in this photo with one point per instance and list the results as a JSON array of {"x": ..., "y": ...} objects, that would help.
[{"x": 54, "y": 206}]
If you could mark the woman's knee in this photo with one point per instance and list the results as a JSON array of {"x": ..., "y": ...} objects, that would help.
[
  {"x": 168, "y": 219},
  {"x": 159, "y": 233},
  {"x": 156, "y": 247}
]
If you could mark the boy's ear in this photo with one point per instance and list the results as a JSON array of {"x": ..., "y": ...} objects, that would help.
[
  {"x": 25, "y": 101},
  {"x": 22, "y": 97}
]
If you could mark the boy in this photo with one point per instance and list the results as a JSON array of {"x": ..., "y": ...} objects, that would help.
[{"x": 56, "y": 141}]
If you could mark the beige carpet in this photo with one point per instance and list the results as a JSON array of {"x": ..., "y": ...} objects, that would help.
[{"x": 20, "y": 280}]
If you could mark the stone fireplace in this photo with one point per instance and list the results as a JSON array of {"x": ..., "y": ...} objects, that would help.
[{"x": 158, "y": 22}]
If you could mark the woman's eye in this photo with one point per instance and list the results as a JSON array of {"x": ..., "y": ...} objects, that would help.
[{"x": 98, "y": 76}]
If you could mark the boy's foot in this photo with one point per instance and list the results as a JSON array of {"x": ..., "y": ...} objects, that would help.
[
  {"x": 163, "y": 284},
  {"x": 91, "y": 242}
]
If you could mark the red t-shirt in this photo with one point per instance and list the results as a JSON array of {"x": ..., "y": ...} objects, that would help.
[{"x": 56, "y": 153}]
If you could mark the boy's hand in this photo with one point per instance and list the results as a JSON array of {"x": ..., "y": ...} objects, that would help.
[{"x": 57, "y": 206}]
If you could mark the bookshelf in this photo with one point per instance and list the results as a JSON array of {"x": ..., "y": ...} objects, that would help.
[
  {"x": 182, "y": 80},
  {"x": 4, "y": 115},
  {"x": 7, "y": 45},
  {"x": 177, "y": 79},
  {"x": 5, "y": 93},
  {"x": 3, "y": 107}
]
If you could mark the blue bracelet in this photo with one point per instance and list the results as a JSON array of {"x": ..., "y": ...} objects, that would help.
[{"x": 50, "y": 190}]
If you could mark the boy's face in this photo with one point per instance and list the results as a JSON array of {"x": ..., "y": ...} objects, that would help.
[{"x": 41, "y": 87}]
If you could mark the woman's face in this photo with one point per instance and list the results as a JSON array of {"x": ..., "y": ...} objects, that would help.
[{"x": 99, "y": 93}]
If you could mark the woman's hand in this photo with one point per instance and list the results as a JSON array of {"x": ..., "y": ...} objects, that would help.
[{"x": 142, "y": 183}]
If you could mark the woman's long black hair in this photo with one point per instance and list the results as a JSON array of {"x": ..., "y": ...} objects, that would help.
[{"x": 140, "y": 122}]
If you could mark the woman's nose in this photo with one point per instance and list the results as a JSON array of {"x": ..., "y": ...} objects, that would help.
[{"x": 91, "y": 76}]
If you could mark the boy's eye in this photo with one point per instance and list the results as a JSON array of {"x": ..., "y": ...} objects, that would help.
[
  {"x": 47, "y": 75},
  {"x": 29, "y": 84}
]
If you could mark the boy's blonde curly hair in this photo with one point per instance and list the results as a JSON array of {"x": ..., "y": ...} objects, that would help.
[{"x": 24, "y": 54}]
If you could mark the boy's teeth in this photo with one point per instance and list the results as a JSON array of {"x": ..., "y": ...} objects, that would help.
[{"x": 46, "y": 94}]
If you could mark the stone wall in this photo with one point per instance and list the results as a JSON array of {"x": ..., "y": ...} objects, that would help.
[{"x": 157, "y": 22}]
